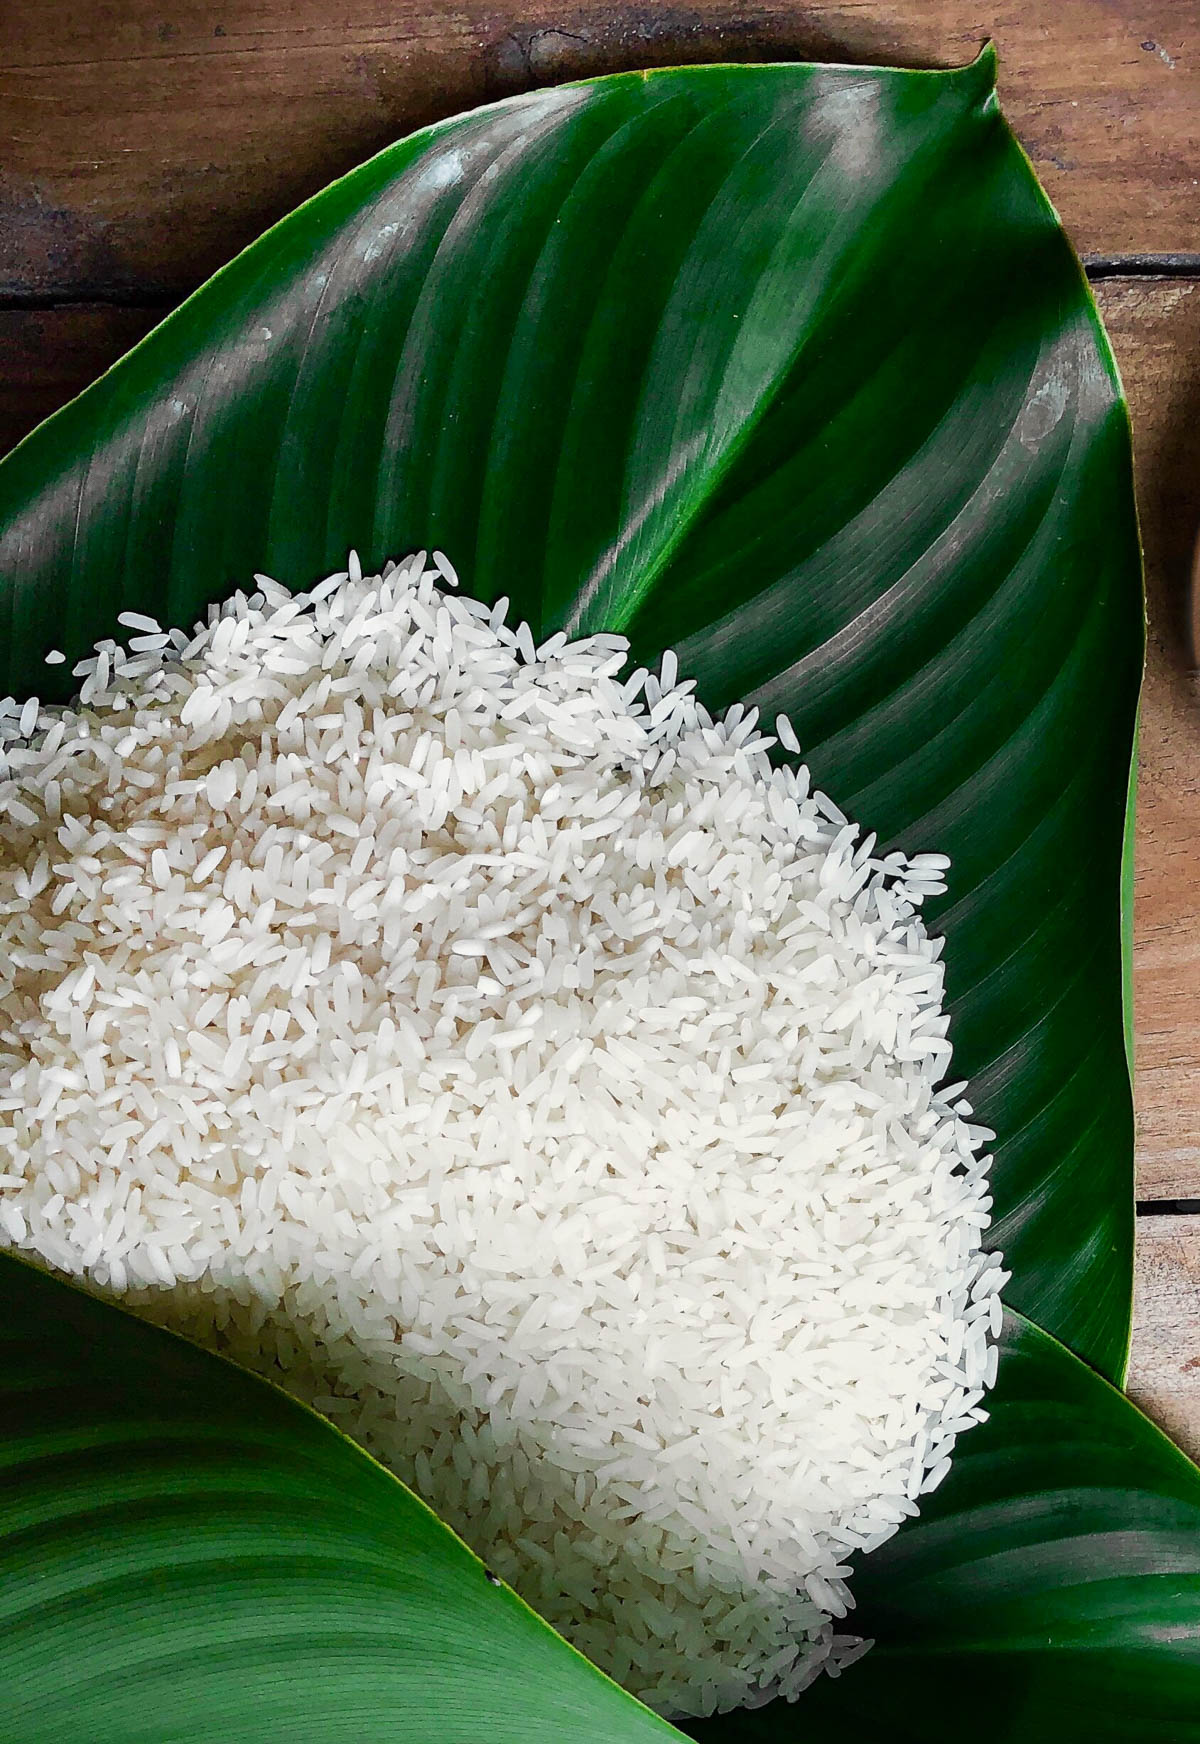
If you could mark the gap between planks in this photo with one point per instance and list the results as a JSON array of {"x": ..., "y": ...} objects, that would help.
[{"x": 163, "y": 298}]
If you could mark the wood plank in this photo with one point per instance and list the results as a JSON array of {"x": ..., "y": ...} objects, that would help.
[
  {"x": 143, "y": 141},
  {"x": 1155, "y": 326},
  {"x": 48, "y": 356},
  {"x": 1164, "y": 1369},
  {"x": 1155, "y": 330}
]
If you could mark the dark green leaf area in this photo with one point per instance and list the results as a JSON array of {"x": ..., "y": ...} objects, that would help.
[{"x": 1049, "y": 1592}]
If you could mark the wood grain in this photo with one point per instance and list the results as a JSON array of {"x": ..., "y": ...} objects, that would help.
[
  {"x": 48, "y": 356},
  {"x": 1155, "y": 329},
  {"x": 1164, "y": 1369},
  {"x": 143, "y": 141}
]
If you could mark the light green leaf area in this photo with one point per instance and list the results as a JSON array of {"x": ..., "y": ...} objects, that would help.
[{"x": 187, "y": 1556}]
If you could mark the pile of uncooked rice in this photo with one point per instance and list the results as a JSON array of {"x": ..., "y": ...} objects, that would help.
[{"x": 499, "y": 1051}]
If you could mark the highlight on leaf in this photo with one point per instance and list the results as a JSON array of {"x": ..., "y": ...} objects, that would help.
[{"x": 788, "y": 375}]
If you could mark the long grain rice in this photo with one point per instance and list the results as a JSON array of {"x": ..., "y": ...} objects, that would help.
[{"x": 497, "y": 1049}]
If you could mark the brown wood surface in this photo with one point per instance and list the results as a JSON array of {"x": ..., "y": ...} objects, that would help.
[
  {"x": 49, "y": 355},
  {"x": 1154, "y": 325},
  {"x": 1164, "y": 1369},
  {"x": 142, "y": 143}
]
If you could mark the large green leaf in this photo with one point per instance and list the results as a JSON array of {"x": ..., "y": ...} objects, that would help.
[
  {"x": 189, "y": 1557},
  {"x": 186, "y": 1557},
  {"x": 788, "y": 366},
  {"x": 1048, "y": 1594}
]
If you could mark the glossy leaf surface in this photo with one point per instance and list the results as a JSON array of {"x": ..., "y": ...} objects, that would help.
[
  {"x": 1048, "y": 1594},
  {"x": 790, "y": 367},
  {"x": 189, "y": 1557}
]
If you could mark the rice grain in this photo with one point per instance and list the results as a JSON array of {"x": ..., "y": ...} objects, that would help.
[{"x": 496, "y": 1049}]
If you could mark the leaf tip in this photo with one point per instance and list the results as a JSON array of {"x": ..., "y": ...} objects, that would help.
[{"x": 980, "y": 74}]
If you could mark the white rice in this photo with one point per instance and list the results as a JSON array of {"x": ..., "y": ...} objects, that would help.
[{"x": 500, "y": 1052}]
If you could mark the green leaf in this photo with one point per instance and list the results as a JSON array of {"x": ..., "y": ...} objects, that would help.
[
  {"x": 187, "y": 1556},
  {"x": 1048, "y": 1593},
  {"x": 788, "y": 366}
]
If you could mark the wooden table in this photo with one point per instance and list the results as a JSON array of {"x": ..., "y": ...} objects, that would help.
[{"x": 143, "y": 141}]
